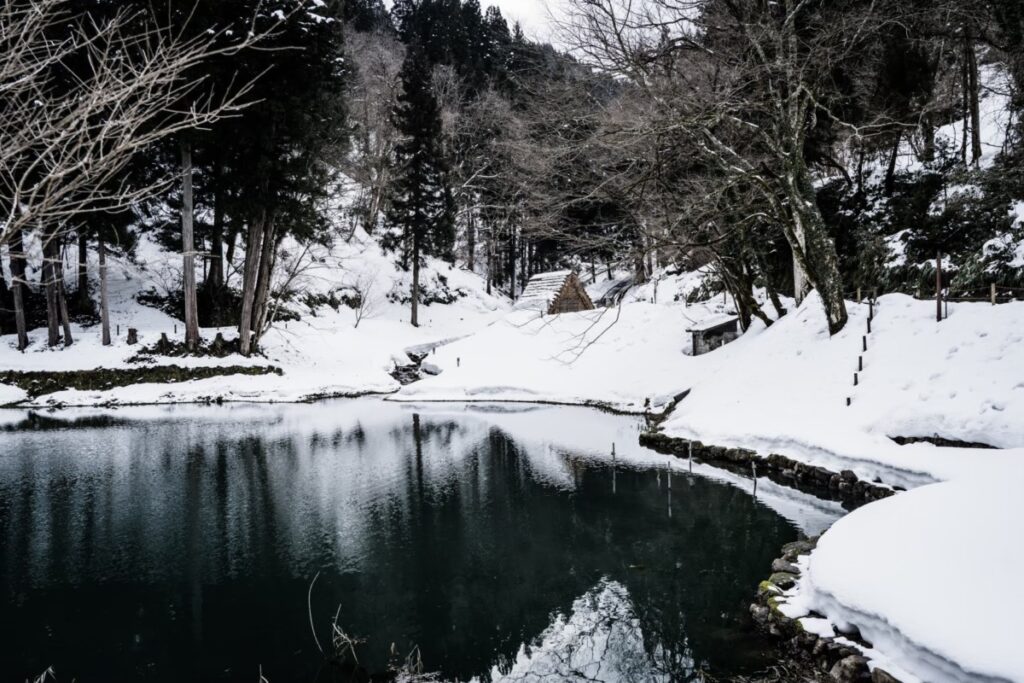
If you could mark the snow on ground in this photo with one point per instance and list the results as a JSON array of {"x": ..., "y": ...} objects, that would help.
[
  {"x": 931, "y": 578},
  {"x": 631, "y": 358},
  {"x": 322, "y": 354},
  {"x": 784, "y": 390}
]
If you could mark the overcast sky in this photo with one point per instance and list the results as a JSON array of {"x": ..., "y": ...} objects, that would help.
[{"x": 532, "y": 14}]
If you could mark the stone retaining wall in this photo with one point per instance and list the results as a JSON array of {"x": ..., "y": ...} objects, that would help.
[
  {"x": 842, "y": 663},
  {"x": 845, "y": 485}
]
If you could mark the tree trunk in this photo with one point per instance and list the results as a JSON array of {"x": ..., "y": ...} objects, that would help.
[
  {"x": 229, "y": 254},
  {"x": 62, "y": 298},
  {"x": 965, "y": 86},
  {"x": 266, "y": 276},
  {"x": 415, "y": 278},
  {"x": 928, "y": 133},
  {"x": 813, "y": 248},
  {"x": 188, "y": 250},
  {"x": 50, "y": 283},
  {"x": 215, "y": 276},
  {"x": 490, "y": 261},
  {"x": 17, "y": 252},
  {"x": 972, "y": 98},
  {"x": 250, "y": 273},
  {"x": 104, "y": 301},
  {"x": 512, "y": 263},
  {"x": 890, "y": 172},
  {"x": 83, "y": 304},
  {"x": 471, "y": 241}
]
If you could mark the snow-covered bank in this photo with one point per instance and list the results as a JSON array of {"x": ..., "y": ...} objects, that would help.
[{"x": 930, "y": 578}]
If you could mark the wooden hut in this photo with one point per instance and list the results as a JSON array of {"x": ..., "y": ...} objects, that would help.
[
  {"x": 553, "y": 293},
  {"x": 716, "y": 331}
]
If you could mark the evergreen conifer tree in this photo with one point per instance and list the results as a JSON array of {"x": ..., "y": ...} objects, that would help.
[{"x": 422, "y": 206}]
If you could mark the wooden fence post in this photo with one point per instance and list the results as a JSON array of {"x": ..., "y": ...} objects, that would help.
[{"x": 993, "y": 294}]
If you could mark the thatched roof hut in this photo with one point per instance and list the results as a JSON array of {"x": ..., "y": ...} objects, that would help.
[{"x": 552, "y": 293}]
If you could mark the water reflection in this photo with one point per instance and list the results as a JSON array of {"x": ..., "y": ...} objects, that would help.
[{"x": 179, "y": 545}]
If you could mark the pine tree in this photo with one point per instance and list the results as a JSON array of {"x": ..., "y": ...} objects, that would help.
[{"x": 422, "y": 206}]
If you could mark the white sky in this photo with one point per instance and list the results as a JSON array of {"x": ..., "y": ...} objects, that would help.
[{"x": 532, "y": 14}]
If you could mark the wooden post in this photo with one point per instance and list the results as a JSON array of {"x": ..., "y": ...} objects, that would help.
[
  {"x": 860, "y": 363},
  {"x": 938, "y": 287},
  {"x": 858, "y": 295},
  {"x": 865, "y": 340},
  {"x": 993, "y": 294},
  {"x": 855, "y": 379}
]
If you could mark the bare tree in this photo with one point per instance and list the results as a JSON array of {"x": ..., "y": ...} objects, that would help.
[
  {"x": 61, "y": 153},
  {"x": 377, "y": 59},
  {"x": 744, "y": 82}
]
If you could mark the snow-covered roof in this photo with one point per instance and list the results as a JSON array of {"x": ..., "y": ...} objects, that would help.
[
  {"x": 713, "y": 322},
  {"x": 542, "y": 290}
]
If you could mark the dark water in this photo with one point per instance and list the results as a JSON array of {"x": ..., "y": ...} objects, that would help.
[{"x": 180, "y": 545}]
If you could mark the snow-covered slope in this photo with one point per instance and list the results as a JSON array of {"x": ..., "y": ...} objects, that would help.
[
  {"x": 324, "y": 353},
  {"x": 784, "y": 389},
  {"x": 631, "y": 358}
]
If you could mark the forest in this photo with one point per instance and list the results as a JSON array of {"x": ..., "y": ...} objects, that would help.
[{"x": 787, "y": 146}]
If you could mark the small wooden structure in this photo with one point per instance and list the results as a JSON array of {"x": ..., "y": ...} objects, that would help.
[
  {"x": 553, "y": 293},
  {"x": 716, "y": 331}
]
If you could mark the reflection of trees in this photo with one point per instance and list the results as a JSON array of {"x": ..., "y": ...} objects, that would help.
[{"x": 427, "y": 531}]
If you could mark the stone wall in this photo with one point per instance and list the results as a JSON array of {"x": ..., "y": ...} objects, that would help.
[{"x": 845, "y": 485}]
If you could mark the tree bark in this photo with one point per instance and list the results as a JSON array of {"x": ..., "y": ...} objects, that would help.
[
  {"x": 104, "y": 301},
  {"x": 229, "y": 252},
  {"x": 890, "y": 171},
  {"x": 250, "y": 273},
  {"x": 18, "y": 284},
  {"x": 813, "y": 248},
  {"x": 512, "y": 263},
  {"x": 471, "y": 240},
  {"x": 83, "y": 303},
  {"x": 268, "y": 252},
  {"x": 62, "y": 297},
  {"x": 415, "y": 317},
  {"x": 215, "y": 276},
  {"x": 973, "y": 104},
  {"x": 188, "y": 250},
  {"x": 50, "y": 284}
]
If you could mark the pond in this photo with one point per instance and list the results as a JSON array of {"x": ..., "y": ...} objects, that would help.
[{"x": 505, "y": 543}]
